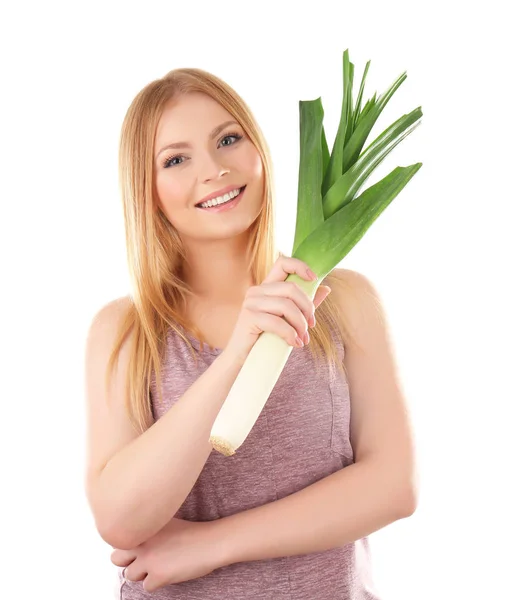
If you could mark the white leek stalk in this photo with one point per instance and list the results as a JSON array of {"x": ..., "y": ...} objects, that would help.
[
  {"x": 250, "y": 392},
  {"x": 331, "y": 220}
]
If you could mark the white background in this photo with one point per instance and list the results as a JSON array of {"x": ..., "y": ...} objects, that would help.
[{"x": 440, "y": 255}]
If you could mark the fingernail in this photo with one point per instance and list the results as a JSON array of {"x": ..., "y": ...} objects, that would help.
[
  {"x": 306, "y": 338},
  {"x": 311, "y": 274},
  {"x": 299, "y": 342}
]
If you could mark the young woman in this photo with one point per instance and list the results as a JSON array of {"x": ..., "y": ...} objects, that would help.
[{"x": 330, "y": 459}]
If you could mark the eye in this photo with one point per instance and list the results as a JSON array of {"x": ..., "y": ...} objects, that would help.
[
  {"x": 233, "y": 135},
  {"x": 168, "y": 161}
]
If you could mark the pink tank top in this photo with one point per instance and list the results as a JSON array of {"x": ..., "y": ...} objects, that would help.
[{"x": 301, "y": 436}]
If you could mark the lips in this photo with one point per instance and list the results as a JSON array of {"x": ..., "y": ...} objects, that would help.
[
  {"x": 225, "y": 206},
  {"x": 241, "y": 189},
  {"x": 221, "y": 192}
]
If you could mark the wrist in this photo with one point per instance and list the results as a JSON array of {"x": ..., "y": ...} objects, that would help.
[
  {"x": 221, "y": 542},
  {"x": 234, "y": 358}
]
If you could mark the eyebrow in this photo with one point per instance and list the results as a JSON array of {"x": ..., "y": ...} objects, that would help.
[{"x": 213, "y": 134}]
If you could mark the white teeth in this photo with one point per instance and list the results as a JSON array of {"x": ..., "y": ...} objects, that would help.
[{"x": 221, "y": 199}]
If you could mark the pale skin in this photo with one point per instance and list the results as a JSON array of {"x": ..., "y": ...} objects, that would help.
[
  {"x": 214, "y": 244},
  {"x": 380, "y": 487}
]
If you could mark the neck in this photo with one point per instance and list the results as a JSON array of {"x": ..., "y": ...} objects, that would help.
[{"x": 218, "y": 272}]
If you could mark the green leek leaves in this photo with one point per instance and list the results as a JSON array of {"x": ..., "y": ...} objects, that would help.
[{"x": 331, "y": 219}]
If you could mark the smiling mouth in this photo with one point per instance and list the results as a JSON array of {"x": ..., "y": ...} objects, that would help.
[{"x": 222, "y": 203}]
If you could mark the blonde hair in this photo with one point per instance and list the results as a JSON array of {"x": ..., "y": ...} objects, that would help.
[{"x": 155, "y": 253}]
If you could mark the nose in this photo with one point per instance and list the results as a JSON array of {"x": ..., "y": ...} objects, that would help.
[{"x": 211, "y": 169}]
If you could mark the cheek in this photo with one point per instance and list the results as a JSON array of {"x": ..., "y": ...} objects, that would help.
[
  {"x": 169, "y": 191},
  {"x": 254, "y": 166}
]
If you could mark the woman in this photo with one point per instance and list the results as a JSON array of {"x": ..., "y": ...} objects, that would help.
[{"x": 330, "y": 459}]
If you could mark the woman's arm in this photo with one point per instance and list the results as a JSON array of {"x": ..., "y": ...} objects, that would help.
[
  {"x": 366, "y": 496},
  {"x": 340, "y": 508},
  {"x": 135, "y": 484}
]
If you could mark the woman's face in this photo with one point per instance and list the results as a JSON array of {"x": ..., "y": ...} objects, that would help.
[{"x": 186, "y": 175}]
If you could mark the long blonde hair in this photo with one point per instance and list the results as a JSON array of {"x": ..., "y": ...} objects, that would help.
[{"x": 155, "y": 253}]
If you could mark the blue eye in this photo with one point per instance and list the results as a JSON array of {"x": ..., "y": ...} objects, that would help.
[{"x": 168, "y": 161}]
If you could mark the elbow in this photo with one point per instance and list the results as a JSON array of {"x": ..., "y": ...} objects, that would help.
[
  {"x": 113, "y": 532},
  {"x": 118, "y": 535},
  {"x": 116, "y": 538},
  {"x": 407, "y": 502},
  {"x": 406, "y": 484},
  {"x": 400, "y": 490},
  {"x": 124, "y": 532}
]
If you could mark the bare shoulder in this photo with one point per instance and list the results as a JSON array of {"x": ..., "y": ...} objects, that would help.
[
  {"x": 365, "y": 312},
  {"x": 351, "y": 278},
  {"x": 357, "y": 295},
  {"x": 109, "y": 314}
]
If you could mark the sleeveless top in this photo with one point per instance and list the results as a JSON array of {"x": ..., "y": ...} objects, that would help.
[{"x": 300, "y": 437}]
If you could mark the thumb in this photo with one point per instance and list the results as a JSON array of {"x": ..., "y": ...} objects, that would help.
[{"x": 320, "y": 294}]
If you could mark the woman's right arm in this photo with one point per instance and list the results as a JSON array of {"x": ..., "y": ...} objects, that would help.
[{"x": 136, "y": 483}]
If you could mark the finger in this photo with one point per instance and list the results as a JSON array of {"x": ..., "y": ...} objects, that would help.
[
  {"x": 276, "y": 325},
  {"x": 320, "y": 294},
  {"x": 150, "y": 584},
  {"x": 122, "y": 558},
  {"x": 289, "y": 290},
  {"x": 286, "y": 265},
  {"x": 289, "y": 312},
  {"x": 135, "y": 572}
]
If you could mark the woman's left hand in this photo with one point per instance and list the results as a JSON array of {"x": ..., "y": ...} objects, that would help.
[{"x": 182, "y": 550}]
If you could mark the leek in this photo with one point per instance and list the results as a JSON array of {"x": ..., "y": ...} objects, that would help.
[{"x": 331, "y": 220}]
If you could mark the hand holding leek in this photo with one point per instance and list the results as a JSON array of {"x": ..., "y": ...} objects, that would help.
[
  {"x": 262, "y": 314},
  {"x": 331, "y": 220},
  {"x": 265, "y": 305}
]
